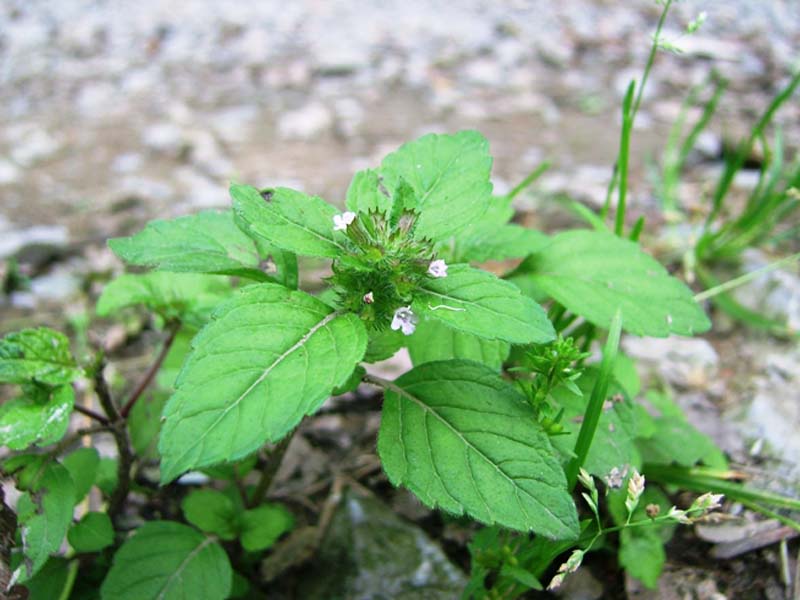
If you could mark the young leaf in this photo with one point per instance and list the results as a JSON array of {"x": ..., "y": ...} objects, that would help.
[
  {"x": 433, "y": 341},
  {"x": 41, "y": 355},
  {"x": 461, "y": 438},
  {"x": 144, "y": 423},
  {"x": 39, "y": 417},
  {"x": 641, "y": 553},
  {"x": 168, "y": 561},
  {"x": 211, "y": 511},
  {"x": 185, "y": 296},
  {"x": 263, "y": 525},
  {"x": 593, "y": 273},
  {"x": 82, "y": 465},
  {"x": 479, "y": 303},
  {"x": 107, "y": 475},
  {"x": 208, "y": 242},
  {"x": 383, "y": 344},
  {"x": 44, "y": 512},
  {"x": 367, "y": 193},
  {"x": 268, "y": 357},
  {"x": 450, "y": 176},
  {"x": 92, "y": 533},
  {"x": 287, "y": 219}
]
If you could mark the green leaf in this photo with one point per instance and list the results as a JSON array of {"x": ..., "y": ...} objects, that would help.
[
  {"x": 168, "y": 561},
  {"x": 268, "y": 357},
  {"x": 92, "y": 533},
  {"x": 211, "y": 511},
  {"x": 433, "y": 341},
  {"x": 675, "y": 440},
  {"x": 594, "y": 273},
  {"x": 181, "y": 346},
  {"x": 31, "y": 420},
  {"x": 367, "y": 193},
  {"x": 41, "y": 355},
  {"x": 500, "y": 243},
  {"x": 184, "y": 296},
  {"x": 479, "y": 303},
  {"x": 107, "y": 475},
  {"x": 287, "y": 219},
  {"x": 263, "y": 525},
  {"x": 82, "y": 465},
  {"x": 49, "y": 582},
  {"x": 383, "y": 344},
  {"x": 144, "y": 423},
  {"x": 44, "y": 512},
  {"x": 208, "y": 242},
  {"x": 613, "y": 444},
  {"x": 642, "y": 555},
  {"x": 462, "y": 439},
  {"x": 450, "y": 176}
]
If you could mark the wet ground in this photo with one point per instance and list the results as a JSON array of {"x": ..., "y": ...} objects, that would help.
[{"x": 114, "y": 113}]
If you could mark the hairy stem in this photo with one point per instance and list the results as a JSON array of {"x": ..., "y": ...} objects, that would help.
[
  {"x": 91, "y": 414},
  {"x": 120, "y": 433},
  {"x": 173, "y": 329},
  {"x": 269, "y": 470}
]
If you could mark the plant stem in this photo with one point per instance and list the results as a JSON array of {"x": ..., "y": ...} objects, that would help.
[
  {"x": 72, "y": 574},
  {"x": 699, "y": 480},
  {"x": 533, "y": 176},
  {"x": 120, "y": 433},
  {"x": 743, "y": 279},
  {"x": 8, "y": 526},
  {"x": 91, "y": 414},
  {"x": 624, "y": 152},
  {"x": 174, "y": 328},
  {"x": 594, "y": 409},
  {"x": 270, "y": 469}
]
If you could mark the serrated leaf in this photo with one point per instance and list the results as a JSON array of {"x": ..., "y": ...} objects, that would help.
[
  {"x": 211, "y": 511},
  {"x": 208, "y": 242},
  {"x": 41, "y": 355},
  {"x": 594, "y": 273},
  {"x": 500, "y": 243},
  {"x": 263, "y": 525},
  {"x": 268, "y": 357},
  {"x": 287, "y": 219},
  {"x": 92, "y": 533},
  {"x": 479, "y": 303},
  {"x": 82, "y": 465},
  {"x": 434, "y": 341},
  {"x": 462, "y": 439},
  {"x": 44, "y": 512},
  {"x": 367, "y": 193},
  {"x": 168, "y": 561},
  {"x": 25, "y": 421},
  {"x": 185, "y": 296},
  {"x": 613, "y": 444},
  {"x": 450, "y": 176}
]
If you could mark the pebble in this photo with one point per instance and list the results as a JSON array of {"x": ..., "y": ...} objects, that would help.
[
  {"x": 305, "y": 123},
  {"x": 684, "y": 362}
]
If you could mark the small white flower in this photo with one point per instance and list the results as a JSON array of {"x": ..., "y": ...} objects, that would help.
[
  {"x": 404, "y": 320},
  {"x": 438, "y": 268},
  {"x": 635, "y": 490},
  {"x": 369, "y": 298},
  {"x": 340, "y": 222}
]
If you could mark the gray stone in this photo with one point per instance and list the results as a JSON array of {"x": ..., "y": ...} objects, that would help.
[
  {"x": 369, "y": 553},
  {"x": 12, "y": 241},
  {"x": 31, "y": 144},
  {"x": 775, "y": 294},
  {"x": 685, "y": 362},
  {"x": 9, "y": 172},
  {"x": 305, "y": 123}
]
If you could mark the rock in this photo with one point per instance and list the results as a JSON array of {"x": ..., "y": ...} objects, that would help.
[
  {"x": 775, "y": 294},
  {"x": 580, "y": 585},
  {"x": 13, "y": 241},
  {"x": 57, "y": 286},
  {"x": 165, "y": 138},
  {"x": 9, "y": 172},
  {"x": 684, "y": 362},
  {"x": 127, "y": 162},
  {"x": 305, "y": 123},
  {"x": 31, "y": 144},
  {"x": 369, "y": 553}
]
